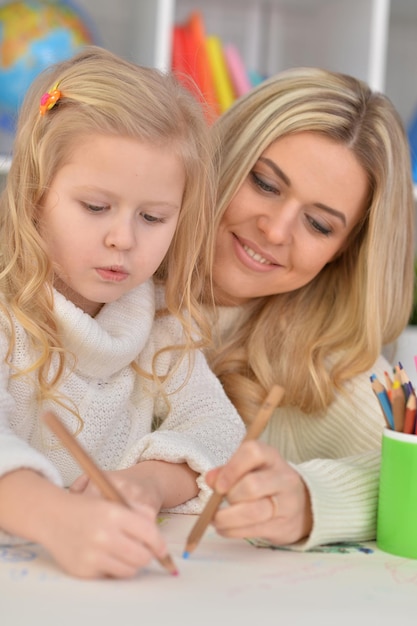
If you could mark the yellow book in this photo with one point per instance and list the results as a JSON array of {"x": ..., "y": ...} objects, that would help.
[{"x": 221, "y": 77}]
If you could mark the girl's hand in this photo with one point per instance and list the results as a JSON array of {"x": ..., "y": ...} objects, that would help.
[
  {"x": 126, "y": 483},
  {"x": 89, "y": 537},
  {"x": 267, "y": 497},
  {"x": 94, "y": 538},
  {"x": 158, "y": 484}
]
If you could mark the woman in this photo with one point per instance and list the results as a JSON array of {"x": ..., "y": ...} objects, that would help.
[{"x": 313, "y": 274}]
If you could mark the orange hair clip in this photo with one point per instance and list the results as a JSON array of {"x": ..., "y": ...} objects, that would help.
[{"x": 49, "y": 99}]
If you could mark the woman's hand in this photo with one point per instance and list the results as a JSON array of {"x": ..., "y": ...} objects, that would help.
[{"x": 267, "y": 497}]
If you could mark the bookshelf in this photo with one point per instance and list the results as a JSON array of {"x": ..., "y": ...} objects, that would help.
[
  {"x": 375, "y": 40},
  {"x": 347, "y": 35}
]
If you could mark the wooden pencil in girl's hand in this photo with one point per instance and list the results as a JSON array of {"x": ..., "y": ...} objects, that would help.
[
  {"x": 254, "y": 430},
  {"x": 94, "y": 473}
]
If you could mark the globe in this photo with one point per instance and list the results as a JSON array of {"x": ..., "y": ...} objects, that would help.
[{"x": 33, "y": 35}]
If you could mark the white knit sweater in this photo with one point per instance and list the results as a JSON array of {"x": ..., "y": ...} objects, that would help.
[
  {"x": 337, "y": 455},
  {"x": 116, "y": 405}
]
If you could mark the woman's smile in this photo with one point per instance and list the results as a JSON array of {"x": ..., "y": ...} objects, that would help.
[
  {"x": 252, "y": 257},
  {"x": 292, "y": 216}
]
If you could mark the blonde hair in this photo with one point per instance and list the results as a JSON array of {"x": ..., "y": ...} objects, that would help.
[
  {"x": 314, "y": 339},
  {"x": 101, "y": 93}
]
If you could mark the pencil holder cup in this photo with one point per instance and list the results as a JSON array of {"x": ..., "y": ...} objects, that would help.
[{"x": 397, "y": 506}]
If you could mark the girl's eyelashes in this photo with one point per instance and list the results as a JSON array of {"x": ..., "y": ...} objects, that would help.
[
  {"x": 94, "y": 208},
  {"x": 147, "y": 217},
  {"x": 152, "y": 219}
]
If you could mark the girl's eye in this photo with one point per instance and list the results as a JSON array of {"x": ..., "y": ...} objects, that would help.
[
  {"x": 151, "y": 219},
  {"x": 263, "y": 185},
  {"x": 94, "y": 208},
  {"x": 320, "y": 228}
]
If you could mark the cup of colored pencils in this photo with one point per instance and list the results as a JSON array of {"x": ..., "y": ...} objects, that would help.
[
  {"x": 397, "y": 399},
  {"x": 397, "y": 502}
]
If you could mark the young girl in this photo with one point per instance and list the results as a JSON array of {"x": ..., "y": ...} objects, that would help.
[
  {"x": 111, "y": 181},
  {"x": 313, "y": 274}
]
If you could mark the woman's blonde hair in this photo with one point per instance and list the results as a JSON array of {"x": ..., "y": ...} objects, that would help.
[
  {"x": 316, "y": 338},
  {"x": 101, "y": 93}
]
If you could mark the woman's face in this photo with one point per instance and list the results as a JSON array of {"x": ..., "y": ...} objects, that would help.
[{"x": 292, "y": 216}]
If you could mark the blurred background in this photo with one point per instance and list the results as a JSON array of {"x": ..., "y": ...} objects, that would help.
[
  {"x": 373, "y": 39},
  {"x": 225, "y": 47}
]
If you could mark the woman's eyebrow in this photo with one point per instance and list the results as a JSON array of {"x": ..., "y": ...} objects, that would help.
[
  {"x": 334, "y": 212},
  {"x": 278, "y": 171}
]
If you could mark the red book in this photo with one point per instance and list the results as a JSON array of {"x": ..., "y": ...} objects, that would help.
[
  {"x": 190, "y": 62},
  {"x": 179, "y": 65},
  {"x": 200, "y": 61}
]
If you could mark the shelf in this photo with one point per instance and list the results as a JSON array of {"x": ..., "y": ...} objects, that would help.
[
  {"x": 341, "y": 35},
  {"x": 5, "y": 162}
]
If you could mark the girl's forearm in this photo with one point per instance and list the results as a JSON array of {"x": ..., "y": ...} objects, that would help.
[
  {"x": 26, "y": 500},
  {"x": 168, "y": 484}
]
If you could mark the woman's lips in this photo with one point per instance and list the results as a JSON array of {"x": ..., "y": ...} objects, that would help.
[{"x": 253, "y": 258}]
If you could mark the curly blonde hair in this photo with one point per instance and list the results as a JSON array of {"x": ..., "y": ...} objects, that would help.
[
  {"x": 101, "y": 93},
  {"x": 316, "y": 338}
]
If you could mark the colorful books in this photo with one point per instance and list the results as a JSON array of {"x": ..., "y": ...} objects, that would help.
[
  {"x": 221, "y": 77},
  {"x": 237, "y": 71},
  {"x": 214, "y": 72}
]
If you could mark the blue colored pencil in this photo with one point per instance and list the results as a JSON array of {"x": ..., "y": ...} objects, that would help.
[{"x": 384, "y": 401}]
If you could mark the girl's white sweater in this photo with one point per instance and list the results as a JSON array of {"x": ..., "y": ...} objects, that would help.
[{"x": 119, "y": 409}]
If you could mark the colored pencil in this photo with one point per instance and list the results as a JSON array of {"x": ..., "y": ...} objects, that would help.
[
  {"x": 388, "y": 381},
  {"x": 410, "y": 415},
  {"x": 405, "y": 380},
  {"x": 273, "y": 398},
  {"x": 398, "y": 405},
  {"x": 388, "y": 384},
  {"x": 385, "y": 404},
  {"x": 94, "y": 473}
]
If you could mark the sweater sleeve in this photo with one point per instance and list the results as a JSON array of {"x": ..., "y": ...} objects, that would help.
[
  {"x": 341, "y": 464},
  {"x": 202, "y": 427},
  {"x": 15, "y": 451},
  {"x": 344, "y": 497}
]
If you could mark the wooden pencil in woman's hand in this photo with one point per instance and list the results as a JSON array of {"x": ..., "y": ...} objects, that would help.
[{"x": 254, "y": 430}]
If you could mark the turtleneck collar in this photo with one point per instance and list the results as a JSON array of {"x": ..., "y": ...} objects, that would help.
[{"x": 105, "y": 344}]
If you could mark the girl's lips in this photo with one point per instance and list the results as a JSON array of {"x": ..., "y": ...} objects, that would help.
[{"x": 114, "y": 274}]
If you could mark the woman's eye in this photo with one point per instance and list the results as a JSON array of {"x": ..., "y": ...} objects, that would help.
[
  {"x": 320, "y": 228},
  {"x": 263, "y": 185}
]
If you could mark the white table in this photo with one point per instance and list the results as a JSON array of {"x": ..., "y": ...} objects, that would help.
[{"x": 223, "y": 582}]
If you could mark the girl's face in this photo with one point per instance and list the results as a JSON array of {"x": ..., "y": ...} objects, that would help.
[
  {"x": 109, "y": 217},
  {"x": 292, "y": 216}
]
